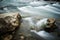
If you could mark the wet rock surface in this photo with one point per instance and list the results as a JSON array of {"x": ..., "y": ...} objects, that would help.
[{"x": 8, "y": 25}]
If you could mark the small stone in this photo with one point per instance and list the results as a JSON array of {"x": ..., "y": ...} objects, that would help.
[{"x": 22, "y": 37}]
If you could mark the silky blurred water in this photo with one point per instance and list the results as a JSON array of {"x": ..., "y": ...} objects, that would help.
[{"x": 31, "y": 9}]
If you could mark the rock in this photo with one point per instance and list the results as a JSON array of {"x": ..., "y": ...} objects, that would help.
[
  {"x": 8, "y": 37},
  {"x": 9, "y": 23},
  {"x": 47, "y": 24}
]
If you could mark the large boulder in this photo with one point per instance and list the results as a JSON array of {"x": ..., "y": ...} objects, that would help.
[{"x": 8, "y": 23}]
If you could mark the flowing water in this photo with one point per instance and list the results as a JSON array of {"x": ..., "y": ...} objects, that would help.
[{"x": 31, "y": 8}]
